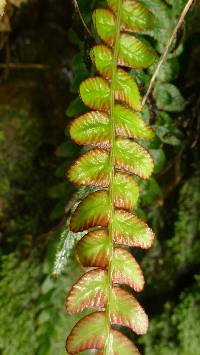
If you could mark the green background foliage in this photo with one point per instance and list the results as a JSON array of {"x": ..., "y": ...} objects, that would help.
[{"x": 38, "y": 265}]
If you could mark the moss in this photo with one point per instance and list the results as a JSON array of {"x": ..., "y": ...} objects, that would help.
[
  {"x": 176, "y": 330},
  {"x": 184, "y": 247},
  {"x": 18, "y": 293},
  {"x": 19, "y": 141}
]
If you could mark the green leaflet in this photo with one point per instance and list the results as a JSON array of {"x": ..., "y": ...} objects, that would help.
[
  {"x": 111, "y": 164},
  {"x": 130, "y": 230},
  {"x": 125, "y": 87},
  {"x": 125, "y": 310},
  {"x": 90, "y": 333},
  {"x": 130, "y": 124},
  {"x": 126, "y": 191},
  {"x": 93, "y": 168},
  {"x": 93, "y": 211},
  {"x": 134, "y": 16},
  {"x": 102, "y": 57},
  {"x": 93, "y": 128},
  {"x": 95, "y": 93},
  {"x": 141, "y": 165},
  {"x": 89, "y": 291},
  {"x": 93, "y": 250},
  {"x": 132, "y": 51},
  {"x": 104, "y": 21},
  {"x": 126, "y": 270},
  {"x": 135, "y": 53},
  {"x": 127, "y": 228},
  {"x": 119, "y": 344}
]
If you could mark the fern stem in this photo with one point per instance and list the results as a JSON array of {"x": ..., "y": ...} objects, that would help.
[
  {"x": 112, "y": 170},
  {"x": 166, "y": 49},
  {"x": 81, "y": 17}
]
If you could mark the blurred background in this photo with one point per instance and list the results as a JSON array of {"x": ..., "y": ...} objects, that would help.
[{"x": 44, "y": 55}]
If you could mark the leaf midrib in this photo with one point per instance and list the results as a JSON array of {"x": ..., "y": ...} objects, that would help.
[{"x": 112, "y": 171}]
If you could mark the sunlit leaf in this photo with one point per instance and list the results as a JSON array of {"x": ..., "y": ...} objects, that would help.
[
  {"x": 130, "y": 230},
  {"x": 126, "y": 311},
  {"x": 132, "y": 51},
  {"x": 95, "y": 93},
  {"x": 120, "y": 344},
  {"x": 88, "y": 333},
  {"x": 127, "y": 228},
  {"x": 102, "y": 57},
  {"x": 125, "y": 270},
  {"x": 133, "y": 158},
  {"x": 92, "y": 211},
  {"x": 93, "y": 249},
  {"x": 93, "y": 128},
  {"x": 92, "y": 291},
  {"x": 134, "y": 16},
  {"x": 125, "y": 190},
  {"x": 89, "y": 291},
  {"x": 104, "y": 21},
  {"x": 93, "y": 168},
  {"x": 130, "y": 124},
  {"x": 135, "y": 53},
  {"x": 126, "y": 89}
]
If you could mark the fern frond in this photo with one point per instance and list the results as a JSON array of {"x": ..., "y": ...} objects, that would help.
[
  {"x": 64, "y": 250},
  {"x": 115, "y": 158}
]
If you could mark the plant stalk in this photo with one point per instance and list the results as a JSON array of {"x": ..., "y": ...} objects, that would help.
[
  {"x": 166, "y": 50},
  {"x": 112, "y": 172}
]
